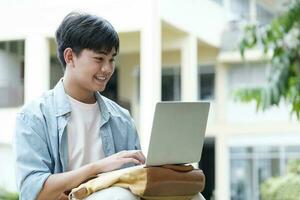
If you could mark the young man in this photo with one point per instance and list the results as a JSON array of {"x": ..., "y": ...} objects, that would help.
[{"x": 72, "y": 132}]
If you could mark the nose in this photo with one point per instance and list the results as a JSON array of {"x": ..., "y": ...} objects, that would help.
[{"x": 107, "y": 67}]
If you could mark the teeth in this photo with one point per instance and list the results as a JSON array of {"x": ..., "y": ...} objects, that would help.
[{"x": 102, "y": 78}]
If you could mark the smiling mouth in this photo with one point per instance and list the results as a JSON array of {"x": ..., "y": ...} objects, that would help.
[{"x": 100, "y": 78}]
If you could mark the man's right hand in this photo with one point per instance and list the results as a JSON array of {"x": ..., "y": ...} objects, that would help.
[
  {"x": 116, "y": 161},
  {"x": 56, "y": 184}
]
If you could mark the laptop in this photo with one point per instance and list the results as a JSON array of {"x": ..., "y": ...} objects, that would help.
[{"x": 178, "y": 132}]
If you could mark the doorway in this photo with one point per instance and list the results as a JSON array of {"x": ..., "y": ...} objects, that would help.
[{"x": 207, "y": 164}]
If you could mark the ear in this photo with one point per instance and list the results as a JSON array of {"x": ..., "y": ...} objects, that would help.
[{"x": 69, "y": 57}]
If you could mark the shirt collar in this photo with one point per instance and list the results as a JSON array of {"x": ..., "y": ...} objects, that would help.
[
  {"x": 63, "y": 105},
  {"x": 61, "y": 99}
]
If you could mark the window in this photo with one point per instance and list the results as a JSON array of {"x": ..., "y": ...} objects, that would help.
[
  {"x": 56, "y": 71},
  {"x": 11, "y": 73},
  {"x": 170, "y": 84},
  {"x": 2, "y": 45},
  {"x": 171, "y": 81},
  {"x": 14, "y": 47},
  {"x": 241, "y": 9},
  {"x": 264, "y": 16},
  {"x": 252, "y": 165},
  {"x": 247, "y": 75},
  {"x": 206, "y": 82}
]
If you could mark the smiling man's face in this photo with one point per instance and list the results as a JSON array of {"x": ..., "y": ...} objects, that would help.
[{"x": 92, "y": 70}]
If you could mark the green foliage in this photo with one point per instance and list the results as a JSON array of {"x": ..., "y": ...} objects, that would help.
[
  {"x": 282, "y": 39},
  {"x": 293, "y": 167},
  {"x": 285, "y": 187},
  {"x": 6, "y": 195}
]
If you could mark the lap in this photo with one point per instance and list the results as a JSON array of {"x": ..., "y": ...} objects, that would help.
[
  {"x": 118, "y": 193},
  {"x": 113, "y": 193}
]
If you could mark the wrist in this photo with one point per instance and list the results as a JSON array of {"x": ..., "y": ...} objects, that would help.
[{"x": 96, "y": 167}]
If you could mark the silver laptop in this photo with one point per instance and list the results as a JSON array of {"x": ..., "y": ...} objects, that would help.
[{"x": 177, "y": 133}]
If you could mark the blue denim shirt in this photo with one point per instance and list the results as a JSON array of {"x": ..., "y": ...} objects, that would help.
[{"x": 40, "y": 143}]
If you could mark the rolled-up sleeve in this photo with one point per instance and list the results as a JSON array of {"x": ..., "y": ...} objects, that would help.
[{"x": 33, "y": 160}]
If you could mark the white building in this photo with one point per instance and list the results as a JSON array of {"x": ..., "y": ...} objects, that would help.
[{"x": 170, "y": 50}]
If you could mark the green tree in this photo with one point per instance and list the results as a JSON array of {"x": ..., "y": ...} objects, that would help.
[
  {"x": 6, "y": 195},
  {"x": 285, "y": 187},
  {"x": 281, "y": 37}
]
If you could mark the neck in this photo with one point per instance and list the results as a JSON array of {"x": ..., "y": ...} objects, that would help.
[{"x": 73, "y": 89}]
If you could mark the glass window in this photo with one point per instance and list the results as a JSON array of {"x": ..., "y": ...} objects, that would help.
[
  {"x": 14, "y": 47},
  {"x": 241, "y": 178},
  {"x": 171, "y": 90},
  {"x": 170, "y": 84},
  {"x": 11, "y": 74},
  {"x": 2, "y": 45},
  {"x": 247, "y": 75},
  {"x": 56, "y": 71},
  {"x": 293, "y": 149},
  {"x": 240, "y": 8},
  {"x": 264, "y": 16},
  {"x": 21, "y": 47},
  {"x": 267, "y": 168},
  {"x": 206, "y": 82},
  {"x": 265, "y": 149},
  {"x": 240, "y": 150},
  {"x": 252, "y": 165}
]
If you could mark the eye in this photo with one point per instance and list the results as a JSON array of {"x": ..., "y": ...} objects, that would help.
[
  {"x": 99, "y": 59},
  {"x": 112, "y": 60}
]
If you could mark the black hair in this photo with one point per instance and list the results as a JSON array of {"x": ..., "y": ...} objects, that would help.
[{"x": 80, "y": 31}]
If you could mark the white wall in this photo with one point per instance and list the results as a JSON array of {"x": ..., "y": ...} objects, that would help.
[
  {"x": 204, "y": 18},
  {"x": 7, "y": 125},
  {"x": 124, "y": 15},
  {"x": 7, "y": 169}
]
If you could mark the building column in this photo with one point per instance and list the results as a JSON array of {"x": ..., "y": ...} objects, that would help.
[
  {"x": 189, "y": 69},
  {"x": 150, "y": 73},
  {"x": 222, "y": 156},
  {"x": 227, "y": 6},
  {"x": 221, "y": 93},
  {"x": 222, "y": 168},
  {"x": 37, "y": 66}
]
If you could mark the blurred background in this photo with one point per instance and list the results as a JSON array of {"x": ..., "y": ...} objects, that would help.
[{"x": 170, "y": 50}]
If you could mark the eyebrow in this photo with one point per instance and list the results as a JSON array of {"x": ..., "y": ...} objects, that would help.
[{"x": 105, "y": 53}]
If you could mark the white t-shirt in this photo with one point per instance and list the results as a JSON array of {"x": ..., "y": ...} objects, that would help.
[{"x": 84, "y": 141}]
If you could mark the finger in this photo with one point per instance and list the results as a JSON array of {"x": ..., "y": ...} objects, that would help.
[
  {"x": 63, "y": 197},
  {"x": 137, "y": 154},
  {"x": 131, "y": 160},
  {"x": 127, "y": 154},
  {"x": 141, "y": 157}
]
